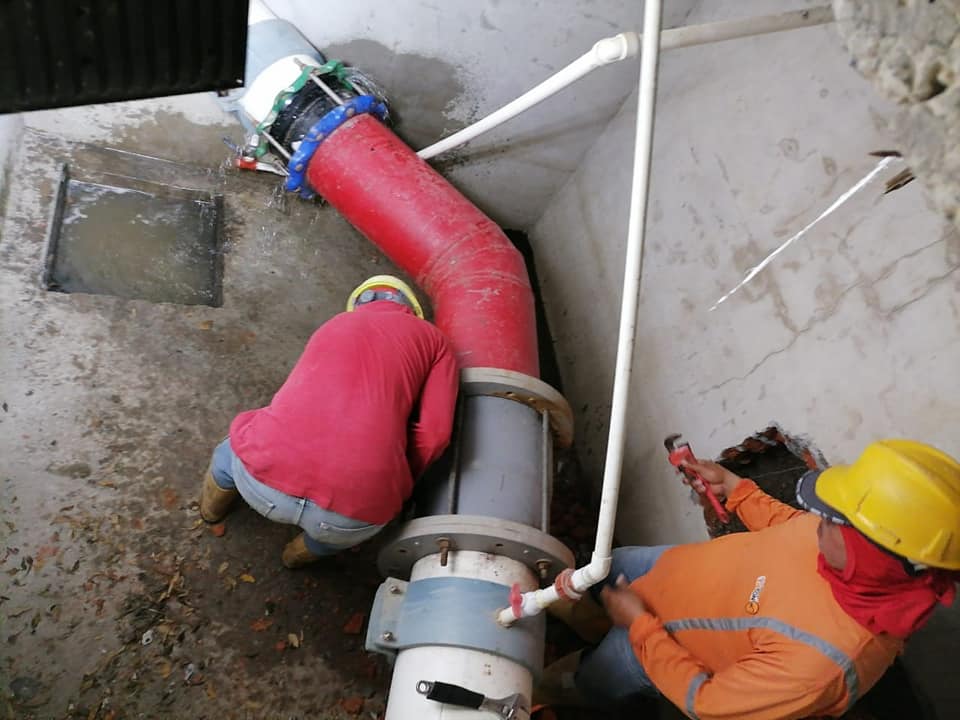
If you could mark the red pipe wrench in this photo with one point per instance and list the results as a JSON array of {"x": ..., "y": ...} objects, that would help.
[{"x": 680, "y": 453}]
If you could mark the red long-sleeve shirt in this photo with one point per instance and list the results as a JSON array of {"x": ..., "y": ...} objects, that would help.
[{"x": 368, "y": 406}]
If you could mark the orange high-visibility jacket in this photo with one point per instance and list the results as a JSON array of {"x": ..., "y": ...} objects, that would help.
[{"x": 744, "y": 627}]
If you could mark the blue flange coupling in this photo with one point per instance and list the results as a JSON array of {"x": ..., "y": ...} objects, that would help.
[{"x": 321, "y": 130}]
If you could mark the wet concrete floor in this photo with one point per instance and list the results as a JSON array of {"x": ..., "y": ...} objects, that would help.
[{"x": 115, "y": 601}]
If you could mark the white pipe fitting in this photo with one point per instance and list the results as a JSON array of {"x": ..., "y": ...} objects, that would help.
[
  {"x": 616, "y": 48},
  {"x": 589, "y": 575},
  {"x": 626, "y": 45}
]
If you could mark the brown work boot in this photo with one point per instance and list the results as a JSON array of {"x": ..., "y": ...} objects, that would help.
[
  {"x": 557, "y": 686},
  {"x": 214, "y": 500},
  {"x": 296, "y": 554}
]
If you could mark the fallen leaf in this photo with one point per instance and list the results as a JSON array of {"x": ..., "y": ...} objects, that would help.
[
  {"x": 107, "y": 484},
  {"x": 293, "y": 641},
  {"x": 205, "y": 324},
  {"x": 169, "y": 498},
  {"x": 165, "y": 669},
  {"x": 354, "y": 624},
  {"x": 169, "y": 591},
  {"x": 223, "y": 567},
  {"x": 218, "y": 530},
  {"x": 211, "y": 693},
  {"x": 280, "y": 646},
  {"x": 43, "y": 554},
  {"x": 352, "y": 705},
  {"x": 248, "y": 578},
  {"x": 261, "y": 624}
]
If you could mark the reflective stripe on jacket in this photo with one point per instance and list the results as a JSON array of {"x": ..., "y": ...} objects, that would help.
[{"x": 744, "y": 626}]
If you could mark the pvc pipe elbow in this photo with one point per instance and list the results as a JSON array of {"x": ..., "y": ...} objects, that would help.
[
  {"x": 589, "y": 575},
  {"x": 616, "y": 48}
]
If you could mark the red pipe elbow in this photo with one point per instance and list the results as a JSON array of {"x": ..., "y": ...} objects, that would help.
[{"x": 475, "y": 277}]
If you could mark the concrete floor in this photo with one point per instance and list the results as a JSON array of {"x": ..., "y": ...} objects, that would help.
[{"x": 110, "y": 409}]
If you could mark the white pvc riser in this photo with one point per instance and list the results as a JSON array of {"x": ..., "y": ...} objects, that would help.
[
  {"x": 478, "y": 671},
  {"x": 258, "y": 100},
  {"x": 259, "y": 12}
]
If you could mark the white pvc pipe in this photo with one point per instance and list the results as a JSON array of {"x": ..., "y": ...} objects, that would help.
[
  {"x": 626, "y": 340},
  {"x": 625, "y": 45},
  {"x": 492, "y": 675},
  {"x": 599, "y": 566},
  {"x": 605, "y": 51},
  {"x": 260, "y": 96},
  {"x": 259, "y": 12}
]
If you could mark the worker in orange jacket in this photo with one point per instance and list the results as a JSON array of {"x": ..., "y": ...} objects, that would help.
[{"x": 800, "y": 616}]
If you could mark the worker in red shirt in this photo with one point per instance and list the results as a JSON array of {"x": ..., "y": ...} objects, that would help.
[
  {"x": 367, "y": 408},
  {"x": 797, "y": 618}
]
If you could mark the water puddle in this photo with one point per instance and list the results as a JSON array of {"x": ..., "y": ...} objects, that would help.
[{"x": 161, "y": 245}]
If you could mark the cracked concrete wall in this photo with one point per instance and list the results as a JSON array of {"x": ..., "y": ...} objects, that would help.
[
  {"x": 849, "y": 336},
  {"x": 446, "y": 64},
  {"x": 911, "y": 52}
]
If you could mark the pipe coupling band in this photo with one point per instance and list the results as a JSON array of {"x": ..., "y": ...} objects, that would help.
[
  {"x": 452, "y": 612},
  {"x": 321, "y": 130}
]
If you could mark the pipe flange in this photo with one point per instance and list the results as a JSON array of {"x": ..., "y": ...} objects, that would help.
[
  {"x": 414, "y": 540},
  {"x": 321, "y": 130},
  {"x": 524, "y": 389}
]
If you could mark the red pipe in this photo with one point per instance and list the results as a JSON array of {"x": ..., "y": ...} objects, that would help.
[{"x": 475, "y": 277}]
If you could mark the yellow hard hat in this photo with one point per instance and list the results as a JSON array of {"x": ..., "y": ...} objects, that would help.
[
  {"x": 367, "y": 291},
  {"x": 903, "y": 495}
]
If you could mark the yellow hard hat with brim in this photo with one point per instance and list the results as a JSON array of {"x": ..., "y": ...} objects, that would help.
[
  {"x": 386, "y": 281},
  {"x": 903, "y": 495}
]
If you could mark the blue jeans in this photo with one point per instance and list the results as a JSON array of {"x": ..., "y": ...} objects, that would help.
[
  {"x": 611, "y": 673},
  {"x": 326, "y": 532}
]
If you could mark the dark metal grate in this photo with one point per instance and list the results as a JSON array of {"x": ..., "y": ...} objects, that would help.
[{"x": 57, "y": 53}]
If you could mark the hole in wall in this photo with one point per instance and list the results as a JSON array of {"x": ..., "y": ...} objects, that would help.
[{"x": 772, "y": 458}]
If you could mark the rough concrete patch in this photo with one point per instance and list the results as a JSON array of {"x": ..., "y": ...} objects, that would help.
[
  {"x": 427, "y": 95},
  {"x": 187, "y": 128},
  {"x": 911, "y": 51}
]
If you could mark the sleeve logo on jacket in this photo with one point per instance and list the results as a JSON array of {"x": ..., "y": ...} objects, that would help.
[{"x": 753, "y": 604}]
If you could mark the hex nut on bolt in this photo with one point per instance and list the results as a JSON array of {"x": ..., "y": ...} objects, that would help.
[
  {"x": 395, "y": 590},
  {"x": 444, "y": 545},
  {"x": 543, "y": 567},
  {"x": 387, "y": 637}
]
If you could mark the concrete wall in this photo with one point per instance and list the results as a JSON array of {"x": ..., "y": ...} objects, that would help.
[
  {"x": 849, "y": 336},
  {"x": 444, "y": 64},
  {"x": 10, "y": 126}
]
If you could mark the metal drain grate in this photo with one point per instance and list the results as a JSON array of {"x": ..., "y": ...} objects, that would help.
[{"x": 161, "y": 244}]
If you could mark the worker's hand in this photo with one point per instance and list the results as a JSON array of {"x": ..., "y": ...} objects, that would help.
[
  {"x": 622, "y": 604},
  {"x": 720, "y": 480}
]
